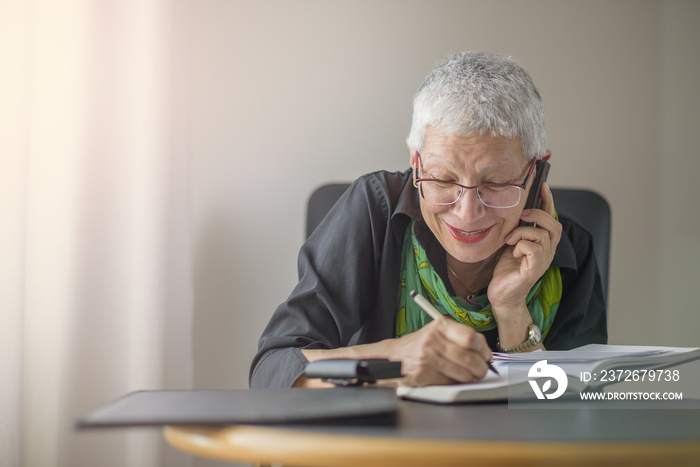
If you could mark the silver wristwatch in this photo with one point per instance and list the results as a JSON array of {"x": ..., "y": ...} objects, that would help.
[{"x": 534, "y": 337}]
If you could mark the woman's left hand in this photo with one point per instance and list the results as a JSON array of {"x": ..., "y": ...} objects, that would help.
[{"x": 527, "y": 255}]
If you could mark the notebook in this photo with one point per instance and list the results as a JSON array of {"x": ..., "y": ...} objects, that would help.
[{"x": 592, "y": 359}]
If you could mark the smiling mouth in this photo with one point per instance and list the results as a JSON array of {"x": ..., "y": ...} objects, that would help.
[
  {"x": 473, "y": 236},
  {"x": 470, "y": 234}
]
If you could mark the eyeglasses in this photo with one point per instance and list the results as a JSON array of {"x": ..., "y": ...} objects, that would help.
[{"x": 492, "y": 195}]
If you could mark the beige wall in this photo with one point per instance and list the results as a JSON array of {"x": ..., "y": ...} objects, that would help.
[
  {"x": 679, "y": 158},
  {"x": 287, "y": 95}
]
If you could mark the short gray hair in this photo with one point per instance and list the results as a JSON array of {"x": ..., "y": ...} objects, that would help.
[{"x": 477, "y": 92}]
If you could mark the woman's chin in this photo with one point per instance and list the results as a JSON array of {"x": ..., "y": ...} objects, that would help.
[{"x": 473, "y": 254}]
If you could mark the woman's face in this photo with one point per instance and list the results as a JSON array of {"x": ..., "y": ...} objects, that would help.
[{"x": 469, "y": 231}]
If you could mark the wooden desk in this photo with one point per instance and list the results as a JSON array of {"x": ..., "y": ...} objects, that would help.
[{"x": 485, "y": 434}]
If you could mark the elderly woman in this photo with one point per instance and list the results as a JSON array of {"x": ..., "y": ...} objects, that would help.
[{"x": 449, "y": 228}]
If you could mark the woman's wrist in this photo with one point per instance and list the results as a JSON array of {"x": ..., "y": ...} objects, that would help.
[
  {"x": 379, "y": 349},
  {"x": 512, "y": 325}
]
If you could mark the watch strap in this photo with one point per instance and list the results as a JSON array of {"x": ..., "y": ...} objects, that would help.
[{"x": 531, "y": 342}]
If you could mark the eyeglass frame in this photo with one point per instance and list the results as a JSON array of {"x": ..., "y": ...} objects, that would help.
[{"x": 417, "y": 180}]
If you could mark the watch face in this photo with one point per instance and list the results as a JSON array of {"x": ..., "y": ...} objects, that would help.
[{"x": 535, "y": 333}]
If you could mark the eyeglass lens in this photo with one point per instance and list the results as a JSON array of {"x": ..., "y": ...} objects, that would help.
[{"x": 498, "y": 196}]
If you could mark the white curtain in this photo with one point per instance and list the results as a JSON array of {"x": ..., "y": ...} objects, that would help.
[{"x": 95, "y": 281}]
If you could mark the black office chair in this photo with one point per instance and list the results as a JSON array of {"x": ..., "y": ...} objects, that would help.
[
  {"x": 591, "y": 211},
  {"x": 586, "y": 207}
]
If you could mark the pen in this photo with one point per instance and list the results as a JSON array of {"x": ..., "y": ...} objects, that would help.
[{"x": 436, "y": 315}]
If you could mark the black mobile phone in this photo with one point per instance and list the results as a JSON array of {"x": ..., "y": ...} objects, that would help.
[{"x": 533, "y": 198}]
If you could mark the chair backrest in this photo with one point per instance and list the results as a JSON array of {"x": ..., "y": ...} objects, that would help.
[
  {"x": 321, "y": 201},
  {"x": 586, "y": 207},
  {"x": 592, "y": 212}
]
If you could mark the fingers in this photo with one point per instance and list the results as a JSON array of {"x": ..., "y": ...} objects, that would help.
[
  {"x": 535, "y": 246},
  {"x": 536, "y": 241},
  {"x": 444, "y": 352},
  {"x": 465, "y": 337},
  {"x": 546, "y": 226}
]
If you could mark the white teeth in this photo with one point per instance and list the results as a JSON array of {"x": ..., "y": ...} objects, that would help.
[{"x": 469, "y": 234}]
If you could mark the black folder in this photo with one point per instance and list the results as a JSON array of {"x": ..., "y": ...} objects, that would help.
[{"x": 343, "y": 405}]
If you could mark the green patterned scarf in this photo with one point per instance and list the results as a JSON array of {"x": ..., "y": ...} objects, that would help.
[{"x": 418, "y": 274}]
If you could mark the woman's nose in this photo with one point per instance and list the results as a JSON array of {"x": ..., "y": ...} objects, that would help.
[{"x": 469, "y": 206}]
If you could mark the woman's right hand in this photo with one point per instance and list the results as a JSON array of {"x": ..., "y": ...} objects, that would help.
[{"x": 442, "y": 352}]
